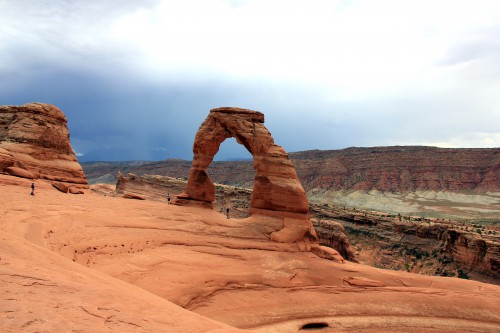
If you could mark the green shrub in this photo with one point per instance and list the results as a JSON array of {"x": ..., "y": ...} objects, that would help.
[{"x": 462, "y": 274}]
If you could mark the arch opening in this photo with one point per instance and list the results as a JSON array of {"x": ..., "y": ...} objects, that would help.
[{"x": 233, "y": 175}]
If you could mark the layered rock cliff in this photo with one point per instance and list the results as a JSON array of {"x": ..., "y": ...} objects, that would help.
[
  {"x": 393, "y": 169},
  {"x": 400, "y": 169},
  {"x": 34, "y": 144}
]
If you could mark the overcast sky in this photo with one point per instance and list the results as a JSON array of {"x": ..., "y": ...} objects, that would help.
[{"x": 137, "y": 78}]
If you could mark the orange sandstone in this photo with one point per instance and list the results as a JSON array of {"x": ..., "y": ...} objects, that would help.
[
  {"x": 110, "y": 264},
  {"x": 34, "y": 144}
]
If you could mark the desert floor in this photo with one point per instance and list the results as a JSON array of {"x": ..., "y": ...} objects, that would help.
[
  {"x": 442, "y": 204},
  {"x": 90, "y": 263}
]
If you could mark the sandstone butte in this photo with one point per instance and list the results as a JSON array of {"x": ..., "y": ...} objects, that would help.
[
  {"x": 95, "y": 263},
  {"x": 34, "y": 144}
]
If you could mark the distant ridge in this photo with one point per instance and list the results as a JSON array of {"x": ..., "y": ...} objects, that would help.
[{"x": 392, "y": 169}]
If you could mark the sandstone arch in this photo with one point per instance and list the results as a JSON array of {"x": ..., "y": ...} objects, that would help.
[{"x": 277, "y": 191}]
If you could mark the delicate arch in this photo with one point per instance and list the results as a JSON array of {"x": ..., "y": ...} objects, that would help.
[{"x": 276, "y": 185}]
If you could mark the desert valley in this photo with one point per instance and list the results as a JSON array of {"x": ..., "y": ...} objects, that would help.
[{"x": 385, "y": 239}]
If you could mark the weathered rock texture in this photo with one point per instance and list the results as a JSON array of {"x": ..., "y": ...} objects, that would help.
[
  {"x": 34, "y": 143},
  {"x": 277, "y": 191},
  {"x": 332, "y": 234},
  {"x": 429, "y": 246}
]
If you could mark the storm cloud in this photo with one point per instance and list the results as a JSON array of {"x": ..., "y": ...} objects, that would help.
[{"x": 136, "y": 79}]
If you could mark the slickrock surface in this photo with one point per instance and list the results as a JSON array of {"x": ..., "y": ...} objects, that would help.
[
  {"x": 42, "y": 292},
  {"x": 34, "y": 144},
  {"x": 277, "y": 192},
  {"x": 153, "y": 187},
  {"x": 150, "y": 187},
  {"x": 65, "y": 262}
]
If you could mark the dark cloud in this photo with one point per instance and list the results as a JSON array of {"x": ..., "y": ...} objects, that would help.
[
  {"x": 125, "y": 99},
  {"x": 110, "y": 120}
]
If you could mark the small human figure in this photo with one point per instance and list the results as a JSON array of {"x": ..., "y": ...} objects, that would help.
[
  {"x": 168, "y": 198},
  {"x": 227, "y": 212},
  {"x": 32, "y": 188}
]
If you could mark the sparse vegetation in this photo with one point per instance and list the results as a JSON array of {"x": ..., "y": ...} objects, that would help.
[
  {"x": 461, "y": 274},
  {"x": 407, "y": 266},
  {"x": 375, "y": 232}
]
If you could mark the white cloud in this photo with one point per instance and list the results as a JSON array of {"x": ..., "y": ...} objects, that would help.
[
  {"x": 352, "y": 49},
  {"x": 361, "y": 49},
  {"x": 462, "y": 140}
]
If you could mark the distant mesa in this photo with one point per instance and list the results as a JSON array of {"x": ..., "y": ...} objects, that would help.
[
  {"x": 34, "y": 144},
  {"x": 277, "y": 192},
  {"x": 400, "y": 169}
]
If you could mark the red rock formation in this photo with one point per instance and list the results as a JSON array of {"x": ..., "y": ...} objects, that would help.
[
  {"x": 475, "y": 252},
  {"x": 34, "y": 143},
  {"x": 400, "y": 169},
  {"x": 277, "y": 191},
  {"x": 148, "y": 187},
  {"x": 332, "y": 234}
]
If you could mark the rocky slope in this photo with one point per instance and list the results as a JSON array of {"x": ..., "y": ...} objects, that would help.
[
  {"x": 34, "y": 144},
  {"x": 154, "y": 187},
  {"x": 418, "y": 244},
  {"x": 97, "y": 263}
]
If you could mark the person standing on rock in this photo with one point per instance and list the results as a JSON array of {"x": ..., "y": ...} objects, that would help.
[
  {"x": 227, "y": 212},
  {"x": 168, "y": 198},
  {"x": 32, "y": 188}
]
